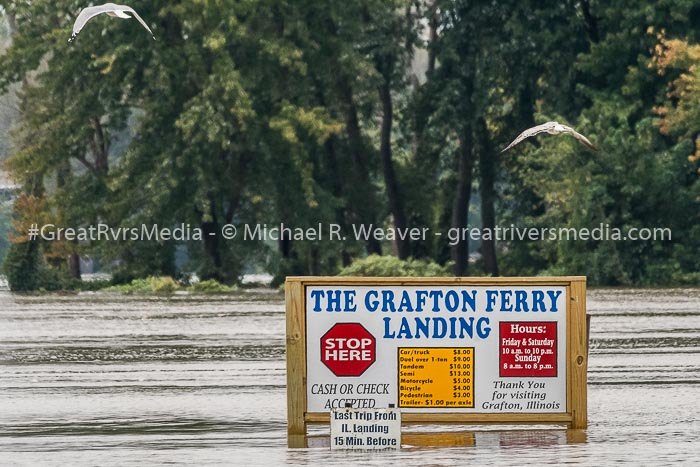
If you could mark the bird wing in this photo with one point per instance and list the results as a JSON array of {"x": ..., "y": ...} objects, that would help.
[
  {"x": 120, "y": 14},
  {"x": 138, "y": 18},
  {"x": 535, "y": 130},
  {"x": 118, "y": 10},
  {"x": 582, "y": 139},
  {"x": 87, "y": 14}
]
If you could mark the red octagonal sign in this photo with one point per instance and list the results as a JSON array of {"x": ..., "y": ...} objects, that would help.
[{"x": 348, "y": 349}]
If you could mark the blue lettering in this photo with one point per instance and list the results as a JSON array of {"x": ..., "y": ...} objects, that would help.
[
  {"x": 538, "y": 301},
  {"x": 405, "y": 330},
  {"x": 554, "y": 296},
  {"x": 388, "y": 334},
  {"x": 422, "y": 325},
  {"x": 521, "y": 301},
  {"x": 370, "y": 304},
  {"x": 451, "y": 300},
  {"x": 333, "y": 300},
  {"x": 420, "y": 299},
  {"x": 405, "y": 302},
  {"x": 471, "y": 301},
  {"x": 388, "y": 300},
  {"x": 317, "y": 295},
  {"x": 482, "y": 327},
  {"x": 491, "y": 299},
  {"x": 435, "y": 295},
  {"x": 439, "y": 328},
  {"x": 350, "y": 300},
  {"x": 505, "y": 300}
]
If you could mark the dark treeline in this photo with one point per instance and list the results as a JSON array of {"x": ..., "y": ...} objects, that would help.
[{"x": 383, "y": 112}]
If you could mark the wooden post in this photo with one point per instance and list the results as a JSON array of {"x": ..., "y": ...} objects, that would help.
[
  {"x": 578, "y": 349},
  {"x": 296, "y": 364}
]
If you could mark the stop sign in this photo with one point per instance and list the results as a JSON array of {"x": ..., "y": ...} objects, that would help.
[{"x": 348, "y": 349}]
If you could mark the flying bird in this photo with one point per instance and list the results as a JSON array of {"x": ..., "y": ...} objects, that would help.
[
  {"x": 553, "y": 128},
  {"x": 112, "y": 9}
]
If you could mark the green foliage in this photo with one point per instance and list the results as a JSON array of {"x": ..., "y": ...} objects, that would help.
[
  {"x": 269, "y": 111},
  {"x": 168, "y": 285},
  {"x": 87, "y": 286},
  {"x": 22, "y": 266},
  {"x": 640, "y": 178},
  {"x": 391, "y": 266},
  {"x": 143, "y": 259},
  {"x": 27, "y": 271},
  {"x": 211, "y": 287},
  {"x": 159, "y": 285}
]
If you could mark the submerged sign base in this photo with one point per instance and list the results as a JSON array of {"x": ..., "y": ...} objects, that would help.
[{"x": 443, "y": 350}]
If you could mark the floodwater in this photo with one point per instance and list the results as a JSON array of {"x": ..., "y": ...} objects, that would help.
[{"x": 99, "y": 379}]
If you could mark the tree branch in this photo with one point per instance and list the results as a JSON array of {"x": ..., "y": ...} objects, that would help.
[{"x": 87, "y": 164}]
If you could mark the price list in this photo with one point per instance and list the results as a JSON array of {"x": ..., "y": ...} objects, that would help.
[{"x": 436, "y": 377}]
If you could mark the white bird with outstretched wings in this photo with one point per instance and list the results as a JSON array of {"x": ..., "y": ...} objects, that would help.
[
  {"x": 552, "y": 128},
  {"x": 111, "y": 9}
]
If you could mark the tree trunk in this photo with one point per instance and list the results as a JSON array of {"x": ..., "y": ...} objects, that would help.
[
  {"x": 212, "y": 250},
  {"x": 361, "y": 203},
  {"x": 433, "y": 36},
  {"x": 526, "y": 106},
  {"x": 314, "y": 265},
  {"x": 100, "y": 148},
  {"x": 63, "y": 176},
  {"x": 364, "y": 205},
  {"x": 460, "y": 209},
  {"x": 11, "y": 22},
  {"x": 591, "y": 22},
  {"x": 426, "y": 157},
  {"x": 337, "y": 188},
  {"x": 285, "y": 244},
  {"x": 74, "y": 265},
  {"x": 488, "y": 198},
  {"x": 211, "y": 231},
  {"x": 392, "y": 185}
]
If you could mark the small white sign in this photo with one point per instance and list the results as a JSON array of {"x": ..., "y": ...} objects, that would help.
[{"x": 365, "y": 428}]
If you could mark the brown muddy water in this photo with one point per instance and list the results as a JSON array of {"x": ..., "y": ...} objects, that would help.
[{"x": 99, "y": 379}]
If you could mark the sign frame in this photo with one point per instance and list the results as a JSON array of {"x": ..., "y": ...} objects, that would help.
[{"x": 576, "y": 361}]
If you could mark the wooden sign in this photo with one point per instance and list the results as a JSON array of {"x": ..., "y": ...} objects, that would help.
[{"x": 442, "y": 350}]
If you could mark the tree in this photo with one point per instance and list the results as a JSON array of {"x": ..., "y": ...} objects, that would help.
[
  {"x": 359, "y": 112},
  {"x": 616, "y": 88}
]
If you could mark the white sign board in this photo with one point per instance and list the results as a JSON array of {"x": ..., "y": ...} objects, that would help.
[
  {"x": 365, "y": 429},
  {"x": 438, "y": 349}
]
